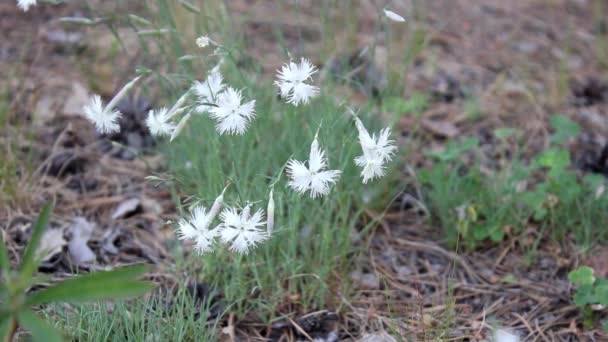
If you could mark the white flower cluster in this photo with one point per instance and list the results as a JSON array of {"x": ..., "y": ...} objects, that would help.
[
  {"x": 239, "y": 229},
  {"x": 25, "y": 5},
  {"x": 233, "y": 115}
]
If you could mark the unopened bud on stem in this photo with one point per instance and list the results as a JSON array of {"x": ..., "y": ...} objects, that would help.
[{"x": 270, "y": 210}]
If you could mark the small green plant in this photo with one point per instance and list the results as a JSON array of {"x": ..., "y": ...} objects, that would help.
[
  {"x": 16, "y": 301},
  {"x": 546, "y": 191},
  {"x": 590, "y": 291}
]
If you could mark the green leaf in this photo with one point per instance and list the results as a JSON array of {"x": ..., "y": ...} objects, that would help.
[
  {"x": 601, "y": 293},
  {"x": 454, "y": 149},
  {"x": 564, "y": 129},
  {"x": 480, "y": 232},
  {"x": 554, "y": 158},
  {"x": 503, "y": 133},
  {"x": 95, "y": 286},
  {"x": 416, "y": 104},
  {"x": 4, "y": 261},
  {"x": 497, "y": 233},
  {"x": 606, "y": 326},
  {"x": 582, "y": 276},
  {"x": 584, "y": 296},
  {"x": 40, "y": 330},
  {"x": 535, "y": 199},
  {"x": 6, "y": 320},
  {"x": 29, "y": 264},
  {"x": 593, "y": 182}
]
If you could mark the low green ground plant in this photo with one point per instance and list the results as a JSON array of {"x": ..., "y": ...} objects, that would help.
[
  {"x": 547, "y": 191},
  {"x": 591, "y": 290}
]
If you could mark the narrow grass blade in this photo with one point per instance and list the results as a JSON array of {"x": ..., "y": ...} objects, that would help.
[
  {"x": 190, "y": 7},
  {"x": 28, "y": 263},
  {"x": 40, "y": 330},
  {"x": 4, "y": 261},
  {"x": 96, "y": 286}
]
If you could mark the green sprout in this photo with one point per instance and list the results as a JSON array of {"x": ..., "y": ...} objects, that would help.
[{"x": 17, "y": 301}]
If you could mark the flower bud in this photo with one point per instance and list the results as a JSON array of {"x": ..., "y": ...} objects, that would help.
[{"x": 270, "y": 211}]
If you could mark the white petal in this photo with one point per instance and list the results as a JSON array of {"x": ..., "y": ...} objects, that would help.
[
  {"x": 316, "y": 159},
  {"x": 393, "y": 16},
  {"x": 299, "y": 174},
  {"x": 186, "y": 230},
  {"x": 291, "y": 82},
  {"x": 320, "y": 182},
  {"x": 25, "y": 4},
  {"x": 158, "y": 122},
  {"x": 202, "y": 41},
  {"x": 105, "y": 121}
]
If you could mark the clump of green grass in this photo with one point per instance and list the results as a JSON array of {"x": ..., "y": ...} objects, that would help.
[
  {"x": 310, "y": 249},
  {"x": 178, "y": 317}
]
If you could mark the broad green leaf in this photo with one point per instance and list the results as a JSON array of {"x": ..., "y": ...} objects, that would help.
[
  {"x": 28, "y": 264},
  {"x": 4, "y": 261},
  {"x": 480, "y": 232},
  {"x": 582, "y": 276},
  {"x": 584, "y": 295},
  {"x": 95, "y": 286},
  {"x": 90, "y": 292},
  {"x": 6, "y": 320},
  {"x": 564, "y": 129},
  {"x": 534, "y": 200},
  {"x": 503, "y": 133},
  {"x": 497, "y": 233},
  {"x": 594, "y": 180},
  {"x": 40, "y": 330},
  {"x": 601, "y": 293},
  {"x": 554, "y": 158}
]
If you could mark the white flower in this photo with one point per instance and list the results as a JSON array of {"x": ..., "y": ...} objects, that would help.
[
  {"x": 208, "y": 91},
  {"x": 197, "y": 229},
  {"x": 393, "y": 16},
  {"x": 232, "y": 117},
  {"x": 25, "y": 4},
  {"x": 376, "y": 152},
  {"x": 313, "y": 177},
  {"x": 242, "y": 231},
  {"x": 158, "y": 122},
  {"x": 105, "y": 119},
  {"x": 202, "y": 41},
  {"x": 291, "y": 80},
  {"x": 373, "y": 166}
]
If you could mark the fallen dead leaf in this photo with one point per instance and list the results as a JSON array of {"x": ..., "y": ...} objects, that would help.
[
  {"x": 79, "y": 251},
  {"x": 378, "y": 337},
  {"x": 125, "y": 208},
  {"x": 441, "y": 128},
  {"x": 52, "y": 242},
  {"x": 365, "y": 280},
  {"x": 79, "y": 97}
]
